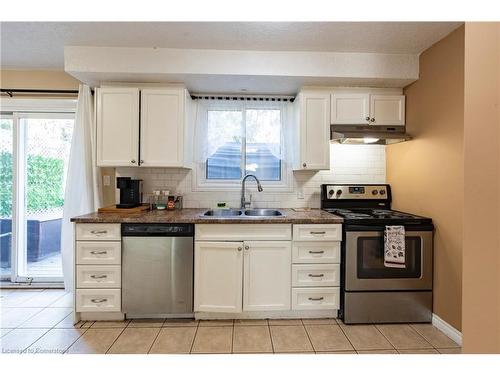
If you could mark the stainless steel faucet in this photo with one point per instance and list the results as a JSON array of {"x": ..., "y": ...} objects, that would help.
[{"x": 244, "y": 202}]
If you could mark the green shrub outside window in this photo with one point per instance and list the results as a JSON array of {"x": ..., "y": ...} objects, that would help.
[{"x": 45, "y": 188}]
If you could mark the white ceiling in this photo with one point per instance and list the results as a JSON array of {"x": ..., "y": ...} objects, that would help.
[{"x": 40, "y": 45}]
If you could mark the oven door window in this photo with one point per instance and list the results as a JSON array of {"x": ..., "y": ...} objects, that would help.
[{"x": 370, "y": 259}]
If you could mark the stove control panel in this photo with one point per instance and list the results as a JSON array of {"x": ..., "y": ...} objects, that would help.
[{"x": 378, "y": 192}]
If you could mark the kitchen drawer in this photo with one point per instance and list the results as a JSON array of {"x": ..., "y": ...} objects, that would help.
[
  {"x": 93, "y": 252},
  {"x": 98, "y": 232},
  {"x": 315, "y": 298},
  {"x": 97, "y": 300},
  {"x": 316, "y": 275},
  {"x": 316, "y": 252},
  {"x": 317, "y": 232},
  {"x": 243, "y": 232},
  {"x": 98, "y": 276}
]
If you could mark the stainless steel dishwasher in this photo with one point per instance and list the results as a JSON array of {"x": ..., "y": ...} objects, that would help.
[{"x": 157, "y": 270}]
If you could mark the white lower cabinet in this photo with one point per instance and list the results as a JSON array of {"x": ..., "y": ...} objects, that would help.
[
  {"x": 316, "y": 266},
  {"x": 316, "y": 252},
  {"x": 98, "y": 276},
  {"x": 315, "y": 298},
  {"x": 255, "y": 275},
  {"x": 98, "y": 268},
  {"x": 266, "y": 275},
  {"x": 316, "y": 275},
  {"x": 98, "y": 300},
  {"x": 232, "y": 277},
  {"x": 218, "y": 276},
  {"x": 317, "y": 232},
  {"x": 98, "y": 252}
]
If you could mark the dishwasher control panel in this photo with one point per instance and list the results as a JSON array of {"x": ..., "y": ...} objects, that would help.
[{"x": 160, "y": 230}]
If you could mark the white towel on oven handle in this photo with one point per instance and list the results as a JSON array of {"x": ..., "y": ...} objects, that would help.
[{"x": 394, "y": 246}]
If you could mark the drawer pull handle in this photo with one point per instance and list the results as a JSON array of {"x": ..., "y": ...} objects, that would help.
[
  {"x": 316, "y": 299},
  {"x": 318, "y": 275},
  {"x": 98, "y": 252},
  {"x": 98, "y": 300},
  {"x": 314, "y": 233},
  {"x": 316, "y": 252},
  {"x": 98, "y": 231},
  {"x": 99, "y": 276}
]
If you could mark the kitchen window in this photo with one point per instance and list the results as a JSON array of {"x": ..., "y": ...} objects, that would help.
[{"x": 240, "y": 137}]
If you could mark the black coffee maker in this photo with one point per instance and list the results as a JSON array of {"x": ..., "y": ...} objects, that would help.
[{"x": 130, "y": 192}]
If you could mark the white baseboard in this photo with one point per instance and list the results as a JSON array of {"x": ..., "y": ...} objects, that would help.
[
  {"x": 287, "y": 314},
  {"x": 447, "y": 329}
]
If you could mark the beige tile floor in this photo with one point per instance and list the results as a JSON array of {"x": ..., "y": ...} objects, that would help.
[{"x": 40, "y": 321}]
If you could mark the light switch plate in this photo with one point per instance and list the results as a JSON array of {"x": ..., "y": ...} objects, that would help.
[
  {"x": 300, "y": 194},
  {"x": 106, "y": 180}
]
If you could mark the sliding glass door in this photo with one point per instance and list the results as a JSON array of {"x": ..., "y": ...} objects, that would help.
[
  {"x": 34, "y": 151},
  {"x": 6, "y": 190}
]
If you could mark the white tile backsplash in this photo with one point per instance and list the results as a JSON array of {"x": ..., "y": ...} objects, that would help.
[{"x": 348, "y": 164}]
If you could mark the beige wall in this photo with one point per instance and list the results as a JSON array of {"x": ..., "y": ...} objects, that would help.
[
  {"x": 37, "y": 79},
  {"x": 426, "y": 174},
  {"x": 481, "y": 256}
]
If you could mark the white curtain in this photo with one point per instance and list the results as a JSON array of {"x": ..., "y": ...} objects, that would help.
[
  {"x": 83, "y": 190},
  {"x": 228, "y": 118}
]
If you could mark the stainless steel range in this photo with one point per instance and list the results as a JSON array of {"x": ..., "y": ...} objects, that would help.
[{"x": 370, "y": 291}]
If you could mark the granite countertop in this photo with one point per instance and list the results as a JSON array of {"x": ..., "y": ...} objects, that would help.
[{"x": 192, "y": 215}]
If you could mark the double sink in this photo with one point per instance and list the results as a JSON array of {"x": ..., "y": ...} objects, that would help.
[{"x": 243, "y": 213}]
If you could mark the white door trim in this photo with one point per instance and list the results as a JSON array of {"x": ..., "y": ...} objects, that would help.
[{"x": 20, "y": 109}]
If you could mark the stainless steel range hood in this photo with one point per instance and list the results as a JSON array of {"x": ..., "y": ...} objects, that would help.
[{"x": 368, "y": 134}]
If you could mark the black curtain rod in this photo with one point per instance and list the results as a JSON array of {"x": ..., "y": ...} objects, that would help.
[
  {"x": 253, "y": 98},
  {"x": 10, "y": 92}
]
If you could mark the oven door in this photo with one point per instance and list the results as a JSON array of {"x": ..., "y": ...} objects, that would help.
[{"x": 364, "y": 262}]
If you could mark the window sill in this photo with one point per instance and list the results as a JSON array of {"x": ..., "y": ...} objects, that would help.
[
  {"x": 237, "y": 187},
  {"x": 201, "y": 184}
]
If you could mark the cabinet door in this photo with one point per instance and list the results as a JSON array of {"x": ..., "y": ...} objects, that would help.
[
  {"x": 117, "y": 127},
  {"x": 162, "y": 125},
  {"x": 218, "y": 276},
  {"x": 267, "y": 275},
  {"x": 314, "y": 131},
  {"x": 350, "y": 108},
  {"x": 387, "y": 109}
]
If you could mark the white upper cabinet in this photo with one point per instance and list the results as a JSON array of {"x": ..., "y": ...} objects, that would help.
[
  {"x": 266, "y": 275},
  {"x": 367, "y": 107},
  {"x": 117, "y": 126},
  {"x": 350, "y": 108},
  {"x": 387, "y": 109},
  {"x": 162, "y": 125},
  {"x": 313, "y": 130},
  {"x": 160, "y": 137}
]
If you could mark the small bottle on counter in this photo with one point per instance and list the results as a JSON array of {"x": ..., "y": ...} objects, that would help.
[
  {"x": 178, "y": 202},
  {"x": 161, "y": 201},
  {"x": 171, "y": 202}
]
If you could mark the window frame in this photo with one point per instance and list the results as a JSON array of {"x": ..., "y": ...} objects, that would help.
[{"x": 201, "y": 183}]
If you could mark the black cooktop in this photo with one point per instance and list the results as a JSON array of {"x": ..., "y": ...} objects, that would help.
[{"x": 377, "y": 216}]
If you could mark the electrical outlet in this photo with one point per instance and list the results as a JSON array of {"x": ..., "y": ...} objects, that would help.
[
  {"x": 106, "y": 180},
  {"x": 300, "y": 194}
]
